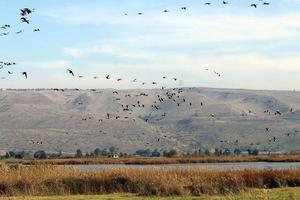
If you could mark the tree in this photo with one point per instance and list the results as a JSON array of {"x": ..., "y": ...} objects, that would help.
[
  {"x": 40, "y": 155},
  {"x": 165, "y": 153},
  {"x": 78, "y": 153},
  {"x": 200, "y": 152},
  {"x": 97, "y": 152},
  {"x": 218, "y": 152},
  {"x": 144, "y": 152},
  {"x": 113, "y": 150},
  {"x": 226, "y": 152},
  {"x": 104, "y": 152},
  {"x": 237, "y": 151},
  {"x": 155, "y": 153},
  {"x": 206, "y": 152},
  {"x": 253, "y": 152},
  {"x": 12, "y": 154},
  {"x": 20, "y": 155},
  {"x": 7, "y": 155},
  {"x": 173, "y": 153}
]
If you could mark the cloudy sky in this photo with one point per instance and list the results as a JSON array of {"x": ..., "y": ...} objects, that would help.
[{"x": 250, "y": 48}]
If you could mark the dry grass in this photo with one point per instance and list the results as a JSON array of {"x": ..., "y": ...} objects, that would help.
[
  {"x": 49, "y": 180},
  {"x": 157, "y": 161}
]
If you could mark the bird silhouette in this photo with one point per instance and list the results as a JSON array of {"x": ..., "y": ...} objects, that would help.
[
  {"x": 25, "y": 74},
  {"x": 70, "y": 72},
  {"x": 24, "y": 20},
  {"x": 26, "y": 11},
  {"x": 5, "y": 26}
]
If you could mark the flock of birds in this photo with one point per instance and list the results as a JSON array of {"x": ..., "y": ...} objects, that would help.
[
  {"x": 26, "y": 12},
  {"x": 24, "y": 18},
  {"x": 184, "y": 8},
  {"x": 174, "y": 96}
]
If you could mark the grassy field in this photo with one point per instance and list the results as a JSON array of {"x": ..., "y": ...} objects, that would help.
[
  {"x": 157, "y": 161},
  {"x": 50, "y": 180},
  {"x": 274, "y": 194}
]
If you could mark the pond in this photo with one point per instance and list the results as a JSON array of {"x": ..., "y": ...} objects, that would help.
[{"x": 214, "y": 166}]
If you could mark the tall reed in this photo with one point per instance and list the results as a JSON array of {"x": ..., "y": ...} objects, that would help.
[{"x": 50, "y": 180}]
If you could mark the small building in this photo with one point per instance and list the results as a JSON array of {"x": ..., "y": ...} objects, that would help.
[
  {"x": 115, "y": 156},
  {"x": 2, "y": 154},
  {"x": 244, "y": 153}
]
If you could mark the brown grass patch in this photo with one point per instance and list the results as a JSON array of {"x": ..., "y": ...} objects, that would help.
[{"x": 50, "y": 180}]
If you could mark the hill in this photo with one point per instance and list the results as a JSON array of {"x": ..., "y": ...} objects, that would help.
[{"x": 86, "y": 119}]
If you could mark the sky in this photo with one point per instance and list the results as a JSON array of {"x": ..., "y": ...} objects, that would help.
[{"x": 251, "y": 48}]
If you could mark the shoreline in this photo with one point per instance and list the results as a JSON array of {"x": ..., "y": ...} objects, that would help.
[{"x": 156, "y": 161}]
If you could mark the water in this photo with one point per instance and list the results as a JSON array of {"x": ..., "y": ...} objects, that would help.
[{"x": 214, "y": 166}]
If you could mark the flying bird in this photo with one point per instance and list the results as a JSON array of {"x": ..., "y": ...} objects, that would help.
[
  {"x": 26, "y": 11},
  {"x": 25, "y": 74},
  {"x": 25, "y": 20},
  {"x": 5, "y": 26},
  {"x": 70, "y": 72}
]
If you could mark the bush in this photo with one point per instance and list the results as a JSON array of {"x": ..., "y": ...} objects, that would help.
[{"x": 173, "y": 153}]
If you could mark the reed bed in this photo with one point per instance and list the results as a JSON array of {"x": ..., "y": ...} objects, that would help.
[
  {"x": 51, "y": 180},
  {"x": 158, "y": 161}
]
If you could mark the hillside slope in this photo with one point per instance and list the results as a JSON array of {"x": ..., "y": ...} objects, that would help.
[{"x": 86, "y": 119}]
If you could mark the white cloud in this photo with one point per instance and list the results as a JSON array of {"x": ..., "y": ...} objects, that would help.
[
  {"x": 104, "y": 49},
  {"x": 192, "y": 28},
  {"x": 55, "y": 64}
]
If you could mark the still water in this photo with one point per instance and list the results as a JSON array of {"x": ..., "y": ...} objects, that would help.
[{"x": 215, "y": 166}]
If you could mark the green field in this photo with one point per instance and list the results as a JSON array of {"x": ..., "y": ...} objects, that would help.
[{"x": 276, "y": 194}]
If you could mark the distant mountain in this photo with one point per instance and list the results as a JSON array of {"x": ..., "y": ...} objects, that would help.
[{"x": 163, "y": 119}]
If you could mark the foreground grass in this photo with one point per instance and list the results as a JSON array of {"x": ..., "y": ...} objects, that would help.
[
  {"x": 274, "y": 194},
  {"x": 157, "y": 161},
  {"x": 50, "y": 180}
]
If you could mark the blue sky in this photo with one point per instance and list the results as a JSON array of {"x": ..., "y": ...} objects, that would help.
[{"x": 251, "y": 48}]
